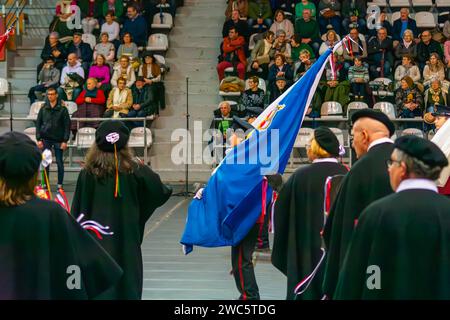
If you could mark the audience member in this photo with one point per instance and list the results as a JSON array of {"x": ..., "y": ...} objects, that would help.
[
  {"x": 281, "y": 23},
  {"x": 308, "y": 30},
  {"x": 401, "y": 25},
  {"x": 82, "y": 50},
  {"x": 48, "y": 78},
  {"x": 380, "y": 56},
  {"x": 125, "y": 71},
  {"x": 106, "y": 49},
  {"x": 136, "y": 25},
  {"x": 408, "y": 100},
  {"x": 119, "y": 101},
  {"x": 91, "y": 104},
  {"x": 233, "y": 54},
  {"x": 72, "y": 79},
  {"x": 101, "y": 72},
  {"x": 358, "y": 75}
]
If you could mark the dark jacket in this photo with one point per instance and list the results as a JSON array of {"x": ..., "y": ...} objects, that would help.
[
  {"x": 273, "y": 70},
  {"x": 241, "y": 27},
  {"x": 138, "y": 30},
  {"x": 84, "y": 8},
  {"x": 86, "y": 51},
  {"x": 47, "y": 52},
  {"x": 53, "y": 123},
  {"x": 375, "y": 50},
  {"x": 397, "y": 29},
  {"x": 424, "y": 51},
  {"x": 144, "y": 97}
]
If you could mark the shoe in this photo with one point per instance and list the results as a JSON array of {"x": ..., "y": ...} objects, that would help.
[{"x": 60, "y": 186}]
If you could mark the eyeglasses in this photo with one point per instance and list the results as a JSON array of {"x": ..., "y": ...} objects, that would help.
[{"x": 390, "y": 162}]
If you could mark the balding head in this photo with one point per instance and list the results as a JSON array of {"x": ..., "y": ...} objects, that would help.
[{"x": 365, "y": 131}]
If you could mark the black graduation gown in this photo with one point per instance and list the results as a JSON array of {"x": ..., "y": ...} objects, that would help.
[
  {"x": 39, "y": 242},
  {"x": 298, "y": 221},
  {"x": 407, "y": 235},
  {"x": 141, "y": 193},
  {"x": 367, "y": 181}
]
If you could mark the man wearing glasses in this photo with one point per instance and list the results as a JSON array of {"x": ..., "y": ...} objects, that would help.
[
  {"x": 403, "y": 238},
  {"x": 366, "y": 182}
]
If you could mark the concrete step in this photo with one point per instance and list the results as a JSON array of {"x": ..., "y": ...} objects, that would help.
[
  {"x": 201, "y": 23},
  {"x": 199, "y": 12},
  {"x": 30, "y": 62},
  {"x": 189, "y": 52},
  {"x": 19, "y": 84},
  {"x": 177, "y": 175},
  {"x": 173, "y": 122},
  {"x": 179, "y": 100},
  {"x": 194, "y": 87},
  {"x": 193, "y": 41},
  {"x": 198, "y": 31},
  {"x": 22, "y": 72},
  {"x": 30, "y": 51}
]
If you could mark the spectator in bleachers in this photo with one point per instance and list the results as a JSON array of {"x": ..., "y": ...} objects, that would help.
[
  {"x": 48, "y": 78},
  {"x": 105, "y": 48},
  {"x": 279, "y": 88},
  {"x": 233, "y": 54},
  {"x": 401, "y": 25},
  {"x": 119, "y": 100},
  {"x": 54, "y": 49},
  {"x": 128, "y": 47},
  {"x": 240, "y": 25},
  {"x": 302, "y": 5},
  {"x": 240, "y": 5},
  {"x": 53, "y": 130},
  {"x": 383, "y": 23},
  {"x": 138, "y": 4},
  {"x": 143, "y": 105},
  {"x": 151, "y": 72},
  {"x": 434, "y": 95},
  {"x": 123, "y": 70},
  {"x": 281, "y": 23},
  {"x": 297, "y": 46},
  {"x": 112, "y": 28},
  {"x": 254, "y": 96},
  {"x": 72, "y": 79},
  {"x": 136, "y": 25},
  {"x": 304, "y": 64},
  {"x": 354, "y": 14},
  {"x": 331, "y": 40},
  {"x": 407, "y": 68},
  {"x": 329, "y": 14},
  {"x": 82, "y": 50},
  {"x": 434, "y": 68},
  {"x": 407, "y": 46},
  {"x": 358, "y": 75},
  {"x": 356, "y": 48},
  {"x": 447, "y": 52},
  {"x": 408, "y": 100},
  {"x": 90, "y": 11},
  {"x": 102, "y": 73},
  {"x": 281, "y": 45},
  {"x": 308, "y": 30},
  {"x": 426, "y": 46},
  {"x": 259, "y": 12},
  {"x": 222, "y": 118},
  {"x": 261, "y": 55},
  {"x": 63, "y": 15},
  {"x": 91, "y": 104},
  {"x": 115, "y": 9},
  {"x": 280, "y": 69},
  {"x": 337, "y": 88},
  {"x": 446, "y": 27},
  {"x": 380, "y": 56}
]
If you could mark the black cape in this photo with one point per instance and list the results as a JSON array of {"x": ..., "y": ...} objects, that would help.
[
  {"x": 298, "y": 221},
  {"x": 367, "y": 181},
  {"x": 141, "y": 193},
  {"x": 39, "y": 242},
  {"x": 407, "y": 235}
]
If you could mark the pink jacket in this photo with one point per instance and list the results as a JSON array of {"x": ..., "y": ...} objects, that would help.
[{"x": 447, "y": 51}]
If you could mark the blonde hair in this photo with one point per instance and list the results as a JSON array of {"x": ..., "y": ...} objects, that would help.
[
  {"x": 318, "y": 151},
  {"x": 17, "y": 194}
]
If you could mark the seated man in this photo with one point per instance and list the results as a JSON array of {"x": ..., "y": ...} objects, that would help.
[
  {"x": 120, "y": 100},
  {"x": 279, "y": 89},
  {"x": 48, "y": 78},
  {"x": 91, "y": 104},
  {"x": 240, "y": 25},
  {"x": 330, "y": 14},
  {"x": 254, "y": 96},
  {"x": 72, "y": 79},
  {"x": 233, "y": 54},
  {"x": 308, "y": 30},
  {"x": 380, "y": 55},
  {"x": 136, "y": 25},
  {"x": 259, "y": 13},
  {"x": 143, "y": 105},
  {"x": 222, "y": 122},
  {"x": 55, "y": 49},
  {"x": 124, "y": 70},
  {"x": 355, "y": 49},
  {"x": 426, "y": 47},
  {"x": 82, "y": 50},
  {"x": 401, "y": 24},
  {"x": 354, "y": 13}
]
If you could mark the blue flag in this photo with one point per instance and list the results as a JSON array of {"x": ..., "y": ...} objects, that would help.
[{"x": 231, "y": 201}]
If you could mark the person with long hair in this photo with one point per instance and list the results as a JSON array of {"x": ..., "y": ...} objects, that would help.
[
  {"x": 151, "y": 71},
  {"x": 41, "y": 246},
  {"x": 434, "y": 68},
  {"x": 121, "y": 193}
]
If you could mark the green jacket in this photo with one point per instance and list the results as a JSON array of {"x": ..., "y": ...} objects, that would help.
[
  {"x": 84, "y": 7},
  {"x": 308, "y": 29},
  {"x": 118, "y": 4},
  {"x": 53, "y": 123},
  {"x": 257, "y": 7}
]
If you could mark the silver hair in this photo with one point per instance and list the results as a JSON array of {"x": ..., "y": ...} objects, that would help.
[
  {"x": 280, "y": 32},
  {"x": 54, "y": 34},
  {"x": 418, "y": 167},
  {"x": 223, "y": 103}
]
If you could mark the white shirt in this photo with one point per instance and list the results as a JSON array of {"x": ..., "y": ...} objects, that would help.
[
  {"x": 379, "y": 141},
  {"x": 325, "y": 160},
  {"x": 423, "y": 184},
  {"x": 112, "y": 30}
]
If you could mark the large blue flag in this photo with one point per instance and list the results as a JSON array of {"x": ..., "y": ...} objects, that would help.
[{"x": 231, "y": 201}]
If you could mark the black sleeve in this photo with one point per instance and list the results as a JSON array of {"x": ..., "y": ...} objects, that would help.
[
  {"x": 66, "y": 124},
  {"x": 39, "y": 124}
]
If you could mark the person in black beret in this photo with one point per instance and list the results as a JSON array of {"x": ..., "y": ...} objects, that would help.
[
  {"x": 115, "y": 190},
  {"x": 367, "y": 181},
  {"x": 404, "y": 235},
  {"x": 39, "y": 241},
  {"x": 299, "y": 218}
]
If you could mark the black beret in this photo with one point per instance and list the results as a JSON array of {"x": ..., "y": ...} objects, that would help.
[
  {"x": 376, "y": 115},
  {"x": 239, "y": 123},
  {"x": 112, "y": 132},
  {"x": 441, "y": 110},
  {"x": 422, "y": 149},
  {"x": 19, "y": 157},
  {"x": 327, "y": 140}
]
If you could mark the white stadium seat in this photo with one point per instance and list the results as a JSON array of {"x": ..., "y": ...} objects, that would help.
[
  {"x": 354, "y": 106},
  {"x": 399, "y": 3},
  {"x": 303, "y": 137},
  {"x": 442, "y": 3},
  {"x": 71, "y": 107},
  {"x": 137, "y": 137},
  {"x": 425, "y": 19},
  {"x": 158, "y": 42},
  {"x": 89, "y": 38},
  {"x": 225, "y": 94},
  {"x": 31, "y": 133},
  {"x": 331, "y": 109},
  {"x": 387, "y": 108},
  {"x": 4, "y": 87},
  {"x": 252, "y": 41},
  {"x": 85, "y": 137},
  {"x": 412, "y": 132},
  {"x": 339, "y": 135},
  {"x": 34, "y": 109},
  {"x": 162, "y": 20}
]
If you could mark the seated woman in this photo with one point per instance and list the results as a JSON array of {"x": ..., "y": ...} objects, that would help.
[
  {"x": 281, "y": 23},
  {"x": 261, "y": 55},
  {"x": 111, "y": 27},
  {"x": 151, "y": 72},
  {"x": 105, "y": 48},
  {"x": 435, "y": 95},
  {"x": 119, "y": 101},
  {"x": 129, "y": 49},
  {"x": 434, "y": 68},
  {"x": 91, "y": 104},
  {"x": 407, "y": 68},
  {"x": 280, "y": 69},
  {"x": 303, "y": 65},
  {"x": 123, "y": 70},
  {"x": 406, "y": 47},
  {"x": 331, "y": 40},
  {"x": 144, "y": 103},
  {"x": 408, "y": 100},
  {"x": 101, "y": 72}
]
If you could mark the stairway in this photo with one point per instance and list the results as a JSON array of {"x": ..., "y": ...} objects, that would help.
[{"x": 193, "y": 50}]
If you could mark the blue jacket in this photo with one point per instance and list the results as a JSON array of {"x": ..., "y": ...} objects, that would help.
[
  {"x": 397, "y": 29},
  {"x": 138, "y": 30}
]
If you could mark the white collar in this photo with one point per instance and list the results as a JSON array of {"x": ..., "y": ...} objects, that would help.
[
  {"x": 379, "y": 141},
  {"x": 325, "y": 160},
  {"x": 423, "y": 184}
]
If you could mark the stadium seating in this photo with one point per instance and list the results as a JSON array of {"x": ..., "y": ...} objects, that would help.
[
  {"x": 71, "y": 107},
  {"x": 412, "y": 132},
  {"x": 4, "y": 87},
  {"x": 89, "y": 38},
  {"x": 162, "y": 22},
  {"x": 158, "y": 42},
  {"x": 387, "y": 108},
  {"x": 355, "y": 106},
  {"x": 137, "y": 137},
  {"x": 31, "y": 133},
  {"x": 34, "y": 110},
  {"x": 331, "y": 109},
  {"x": 85, "y": 137}
]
